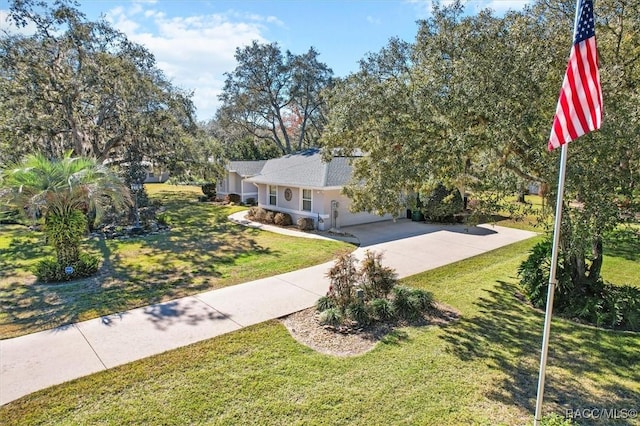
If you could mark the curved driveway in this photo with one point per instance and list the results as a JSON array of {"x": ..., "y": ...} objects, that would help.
[{"x": 36, "y": 361}]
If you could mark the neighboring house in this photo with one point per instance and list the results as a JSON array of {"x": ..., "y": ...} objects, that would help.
[
  {"x": 304, "y": 186},
  {"x": 155, "y": 173},
  {"x": 235, "y": 180}
]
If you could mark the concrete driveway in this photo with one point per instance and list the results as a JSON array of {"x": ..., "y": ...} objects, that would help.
[{"x": 46, "y": 358}]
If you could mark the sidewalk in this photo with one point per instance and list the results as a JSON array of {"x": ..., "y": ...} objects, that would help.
[{"x": 36, "y": 361}]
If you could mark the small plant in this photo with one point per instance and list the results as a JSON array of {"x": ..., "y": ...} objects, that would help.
[
  {"x": 357, "y": 312},
  {"x": 269, "y": 217},
  {"x": 369, "y": 293},
  {"x": 49, "y": 270},
  {"x": 344, "y": 278},
  {"x": 305, "y": 224},
  {"x": 331, "y": 317},
  {"x": 324, "y": 303},
  {"x": 260, "y": 214},
  {"x": 251, "y": 201},
  {"x": 382, "y": 309},
  {"x": 282, "y": 219},
  {"x": 555, "y": 420},
  {"x": 404, "y": 303},
  {"x": 377, "y": 280},
  {"x": 422, "y": 299}
]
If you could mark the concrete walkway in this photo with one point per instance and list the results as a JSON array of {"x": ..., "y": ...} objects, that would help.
[{"x": 39, "y": 360}]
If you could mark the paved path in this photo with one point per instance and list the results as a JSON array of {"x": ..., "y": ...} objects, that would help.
[{"x": 39, "y": 360}]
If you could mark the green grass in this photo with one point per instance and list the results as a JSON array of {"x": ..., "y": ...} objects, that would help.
[
  {"x": 479, "y": 370},
  {"x": 203, "y": 251}
]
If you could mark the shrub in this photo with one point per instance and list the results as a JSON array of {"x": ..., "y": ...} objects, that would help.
[
  {"x": 209, "y": 190},
  {"x": 594, "y": 302},
  {"x": 377, "y": 280},
  {"x": 283, "y": 219},
  {"x": 423, "y": 300},
  {"x": 382, "y": 309},
  {"x": 251, "y": 213},
  {"x": 348, "y": 297},
  {"x": 269, "y": 217},
  {"x": 343, "y": 277},
  {"x": 251, "y": 201},
  {"x": 324, "y": 303},
  {"x": 260, "y": 214},
  {"x": 404, "y": 303},
  {"x": 164, "y": 219},
  {"x": 232, "y": 198},
  {"x": 305, "y": 224},
  {"x": 49, "y": 270},
  {"x": 441, "y": 204},
  {"x": 332, "y": 317},
  {"x": 357, "y": 312}
]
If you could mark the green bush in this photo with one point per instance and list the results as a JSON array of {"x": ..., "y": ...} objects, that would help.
[
  {"x": 209, "y": 190},
  {"x": 282, "y": 219},
  {"x": 598, "y": 303},
  {"x": 423, "y": 300},
  {"x": 164, "y": 218},
  {"x": 324, "y": 303},
  {"x": 405, "y": 304},
  {"x": 49, "y": 270},
  {"x": 306, "y": 224},
  {"x": 369, "y": 293},
  {"x": 233, "y": 198},
  {"x": 358, "y": 312},
  {"x": 441, "y": 204},
  {"x": 331, "y": 317},
  {"x": 251, "y": 201},
  {"x": 382, "y": 309}
]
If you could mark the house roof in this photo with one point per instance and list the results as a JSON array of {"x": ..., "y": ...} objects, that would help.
[
  {"x": 305, "y": 169},
  {"x": 246, "y": 168}
]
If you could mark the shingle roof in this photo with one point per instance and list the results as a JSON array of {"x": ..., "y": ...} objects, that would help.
[
  {"x": 246, "y": 168},
  {"x": 305, "y": 169}
]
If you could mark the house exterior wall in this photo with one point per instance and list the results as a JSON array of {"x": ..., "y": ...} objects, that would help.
[
  {"x": 321, "y": 207},
  {"x": 233, "y": 183}
]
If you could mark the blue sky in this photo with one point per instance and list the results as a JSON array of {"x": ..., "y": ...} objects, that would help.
[{"x": 194, "y": 40}]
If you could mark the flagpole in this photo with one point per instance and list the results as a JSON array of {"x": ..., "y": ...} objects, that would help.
[{"x": 552, "y": 284}]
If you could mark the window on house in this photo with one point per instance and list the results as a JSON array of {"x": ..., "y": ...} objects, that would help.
[
  {"x": 306, "y": 200},
  {"x": 273, "y": 191}
]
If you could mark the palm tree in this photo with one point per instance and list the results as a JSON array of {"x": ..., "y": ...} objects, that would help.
[{"x": 61, "y": 192}]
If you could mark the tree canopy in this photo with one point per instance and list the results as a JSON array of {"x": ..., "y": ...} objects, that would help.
[
  {"x": 469, "y": 104},
  {"x": 83, "y": 86},
  {"x": 275, "y": 97}
]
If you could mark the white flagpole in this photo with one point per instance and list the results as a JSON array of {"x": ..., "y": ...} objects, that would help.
[{"x": 552, "y": 285}]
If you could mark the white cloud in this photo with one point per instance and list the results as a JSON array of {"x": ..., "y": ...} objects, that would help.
[
  {"x": 374, "y": 21},
  {"x": 501, "y": 6},
  {"x": 9, "y": 26},
  {"x": 193, "y": 51}
]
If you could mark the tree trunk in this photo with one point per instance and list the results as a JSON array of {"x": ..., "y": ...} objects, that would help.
[{"x": 597, "y": 259}]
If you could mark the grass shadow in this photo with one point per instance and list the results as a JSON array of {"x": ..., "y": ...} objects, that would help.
[{"x": 507, "y": 333}]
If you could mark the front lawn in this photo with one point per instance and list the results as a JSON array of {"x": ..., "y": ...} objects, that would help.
[
  {"x": 203, "y": 251},
  {"x": 480, "y": 370}
]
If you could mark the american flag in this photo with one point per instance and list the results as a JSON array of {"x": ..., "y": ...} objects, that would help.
[{"x": 579, "y": 108}]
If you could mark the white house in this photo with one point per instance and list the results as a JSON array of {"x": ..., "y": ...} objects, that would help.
[
  {"x": 235, "y": 180},
  {"x": 303, "y": 185}
]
